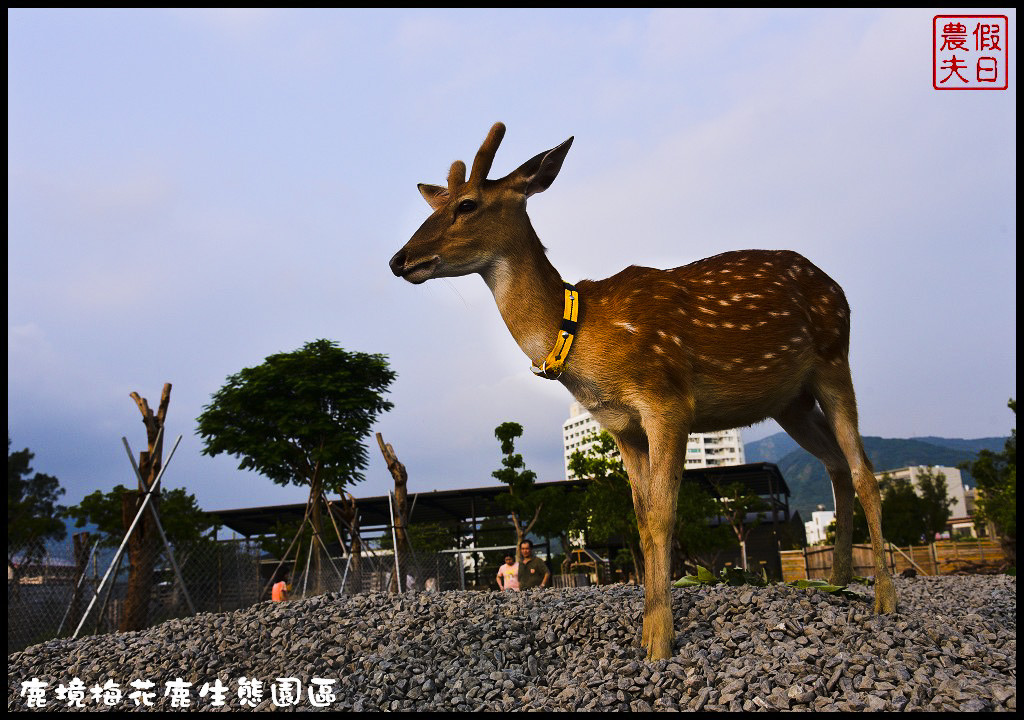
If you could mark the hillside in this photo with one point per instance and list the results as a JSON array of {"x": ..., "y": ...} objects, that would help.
[{"x": 809, "y": 484}]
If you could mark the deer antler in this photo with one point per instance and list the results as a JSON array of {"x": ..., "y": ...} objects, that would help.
[
  {"x": 456, "y": 177},
  {"x": 485, "y": 155}
]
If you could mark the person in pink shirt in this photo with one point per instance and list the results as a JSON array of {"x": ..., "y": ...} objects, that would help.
[{"x": 508, "y": 574}]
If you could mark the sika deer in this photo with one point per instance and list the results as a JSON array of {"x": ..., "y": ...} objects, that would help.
[{"x": 657, "y": 354}]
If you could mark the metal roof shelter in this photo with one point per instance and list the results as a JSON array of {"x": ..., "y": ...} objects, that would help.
[{"x": 473, "y": 504}]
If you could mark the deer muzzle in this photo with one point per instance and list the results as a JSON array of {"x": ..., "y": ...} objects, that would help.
[{"x": 416, "y": 272}]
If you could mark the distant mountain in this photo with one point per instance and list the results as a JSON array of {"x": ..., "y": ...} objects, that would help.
[
  {"x": 770, "y": 449},
  {"x": 809, "y": 484},
  {"x": 995, "y": 444}
]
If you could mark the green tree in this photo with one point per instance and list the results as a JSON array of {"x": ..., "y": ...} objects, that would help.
[
  {"x": 903, "y": 514},
  {"x": 606, "y": 508},
  {"x": 524, "y": 501},
  {"x": 425, "y": 538},
  {"x": 33, "y": 515},
  {"x": 735, "y": 502},
  {"x": 936, "y": 505},
  {"x": 558, "y": 517},
  {"x": 697, "y": 542},
  {"x": 301, "y": 418},
  {"x": 183, "y": 522},
  {"x": 995, "y": 477}
]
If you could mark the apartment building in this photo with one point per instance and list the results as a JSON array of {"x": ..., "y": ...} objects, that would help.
[{"x": 702, "y": 449}]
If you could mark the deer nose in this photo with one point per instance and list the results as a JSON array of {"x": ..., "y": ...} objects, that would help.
[{"x": 398, "y": 263}]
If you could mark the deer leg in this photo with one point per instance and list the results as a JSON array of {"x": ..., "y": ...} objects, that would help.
[
  {"x": 805, "y": 423},
  {"x": 834, "y": 390},
  {"x": 638, "y": 467},
  {"x": 658, "y": 497}
]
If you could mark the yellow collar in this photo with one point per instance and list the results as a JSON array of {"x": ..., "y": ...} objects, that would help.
[{"x": 551, "y": 368}]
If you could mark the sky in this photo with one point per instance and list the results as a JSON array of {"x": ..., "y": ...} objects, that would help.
[{"x": 190, "y": 191}]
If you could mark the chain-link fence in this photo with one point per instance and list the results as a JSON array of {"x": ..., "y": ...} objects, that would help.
[
  {"x": 375, "y": 571},
  {"x": 51, "y": 595}
]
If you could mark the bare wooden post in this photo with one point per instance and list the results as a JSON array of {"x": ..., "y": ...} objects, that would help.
[
  {"x": 401, "y": 509},
  {"x": 144, "y": 544},
  {"x": 349, "y": 515}
]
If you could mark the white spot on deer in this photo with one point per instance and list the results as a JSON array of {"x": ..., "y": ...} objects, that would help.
[
  {"x": 783, "y": 313},
  {"x": 762, "y": 367},
  {"x": 708, "y": 311},
  {"x": 713, "y": 325},
  {"x": 727, "y": 325},
  {"x": 658, "y": 349},
  {"x": 626, "y": 326},
  {"x": 784, "y": 348},
  {"x": 677, "y": 341},
  {"x": 681, "y": 311},
  {"x": 661, "y": 334},
  {"x": 744, "y": 327},
  {"x": 707, "y": 282},
  {"x": 739, "y": 277},
  {"x": 768, "y": 263},
  {"x": 763, "y": 322},
  {"x": 726, "y": 270},
  {"x": 751, "y": 307},
  {"x": 724, "y": 303},
  {"x": 796, "y": 340},
  {"x": 769, "y": 356}
]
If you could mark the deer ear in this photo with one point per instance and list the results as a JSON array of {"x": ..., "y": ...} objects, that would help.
[
  {"x": 435, "y": 195},
  {"x": 536, "y": 174}
]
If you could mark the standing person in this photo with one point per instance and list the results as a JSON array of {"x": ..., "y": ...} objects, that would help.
[
  {"x": 508, "y": 574},
  {"x": 532, "y": 570}
]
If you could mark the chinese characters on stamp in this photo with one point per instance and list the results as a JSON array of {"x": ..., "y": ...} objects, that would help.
[{"x": 970, "y": 52}]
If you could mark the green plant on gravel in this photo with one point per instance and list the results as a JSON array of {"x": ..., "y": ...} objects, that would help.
[{"x": 737, "y": 576}]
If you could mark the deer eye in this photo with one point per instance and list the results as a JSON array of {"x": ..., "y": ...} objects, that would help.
[{"x": 466, "y": 206}]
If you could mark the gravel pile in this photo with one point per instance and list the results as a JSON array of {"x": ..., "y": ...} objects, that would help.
[{"x": 951, "y": 647}]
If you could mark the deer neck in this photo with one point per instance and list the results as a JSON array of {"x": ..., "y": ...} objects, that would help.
[{"x": 530, "y": 297}]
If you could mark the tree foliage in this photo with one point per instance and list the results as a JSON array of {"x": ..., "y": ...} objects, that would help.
[
  {"x": 524, "y": 502},
  {"x": 184, "y": 523},
  {"x": 698, "y": 542},
  {"x": 911, "y": 514},
  {"x": 300, "y": 414},
  {"x": 995, "y": 475},
  {"x": 425, "y": 538},
  {"x": 33, "y": 515},
  {"x": 902, "y": 511},
  {"x": 936, "y": 505},
  {"x": 606, "y": 508},
  {"x": 735, "y": 502}
]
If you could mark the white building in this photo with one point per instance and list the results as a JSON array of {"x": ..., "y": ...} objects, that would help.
[
  {"x": 702, "y": 449},
  {"x": 959, "y": 517},
  {"x": 815, "y": 528}
]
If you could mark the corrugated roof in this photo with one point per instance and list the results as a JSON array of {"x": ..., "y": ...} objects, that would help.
[{"x": 454, "y": 506}]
